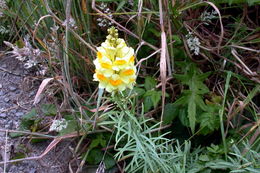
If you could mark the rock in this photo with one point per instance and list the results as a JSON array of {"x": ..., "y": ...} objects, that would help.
[
  {"x": 1, "y": 86},
  {"x": 19, "y": 114},
  {"x": 3, "y": 115},
  {"x": 12, "y": 88},
  {"x": 6, "y": 99},
  {"x": 9, "y": 125},
  {"x": 2, "y": 93},
  {"x": 13, "y": 111},
  {"x": 32, "y": 94},
  {"x": 32, "y": 170}
]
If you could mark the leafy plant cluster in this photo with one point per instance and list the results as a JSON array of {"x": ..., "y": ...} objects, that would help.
[{"x": 210, "y": 112}]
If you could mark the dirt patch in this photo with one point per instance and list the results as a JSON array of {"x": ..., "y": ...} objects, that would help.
[{"x": 17, "y": 91}]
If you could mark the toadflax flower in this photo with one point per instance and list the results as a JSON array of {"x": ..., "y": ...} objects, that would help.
[{"x": 115, "y": 69}]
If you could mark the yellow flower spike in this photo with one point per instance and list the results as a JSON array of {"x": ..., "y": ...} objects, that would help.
[{"x": 115, "y": 70}]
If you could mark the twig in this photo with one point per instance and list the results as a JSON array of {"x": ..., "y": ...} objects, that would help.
[
  {"x": 245, "y": 48},
  {"x": 163, "y": 67}
]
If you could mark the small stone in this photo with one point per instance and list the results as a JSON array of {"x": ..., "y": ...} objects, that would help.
[
  {"x": 31, "y": 93},
  {"x": 3, "y": 115},
  {"x": 13, "y": 111},
  {"x": 1, "y": 86},
  {"x": 4, "y": 65},
  {"x": 2, "y": 93},
  {"x": 6, "y": 99},
  {"x": 9, "y": 125},
  {"x": 32, "y": 170},
  {"x": 19, "y": 114},
  {"x": 12, "y": 88}
]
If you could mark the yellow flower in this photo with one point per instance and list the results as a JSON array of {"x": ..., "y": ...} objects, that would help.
[{"x": 115, "y": 69}]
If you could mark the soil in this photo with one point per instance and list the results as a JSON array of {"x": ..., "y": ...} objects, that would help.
[{"x": 17, "y": 91}]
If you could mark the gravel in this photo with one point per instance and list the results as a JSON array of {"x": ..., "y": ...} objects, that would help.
[{"x": 15, "y": 102}]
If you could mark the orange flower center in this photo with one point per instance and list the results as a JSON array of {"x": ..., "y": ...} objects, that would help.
[
  {"x": 106, "y": 65},
  {"x": 120, "y": 62},
  {"x": 128, "y": 72},
  {"x": 101, "y": 77},
  {"x": 115, "y": 82}
]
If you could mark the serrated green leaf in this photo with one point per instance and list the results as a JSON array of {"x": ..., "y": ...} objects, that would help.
[
  {"x": 209, "y": 120},
  {"x": 192, "y": 113}
]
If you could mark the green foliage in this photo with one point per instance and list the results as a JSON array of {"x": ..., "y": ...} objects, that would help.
[
  {"x": 139, "y": 141},
  {"x": 150, "y": 94},
  {"x": 170, "y": 113},
  {"x": 246, "y": 160},
  {"x": 71, "y": 127},
  {"x": 193, "y": 96},
  {"x": 49, "y": 109},
  {"x": 209, "y": 120},
  {"x": 95, "y": 156}
]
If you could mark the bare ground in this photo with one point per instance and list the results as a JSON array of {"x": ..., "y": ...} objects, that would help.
[{"x": 17, "y": 91}]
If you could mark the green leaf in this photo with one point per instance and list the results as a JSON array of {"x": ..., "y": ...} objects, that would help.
[
  {"x": 139, "y": 91},
  {"x": 152, "y": 98},
  {"x": 120, "y": 5},
  {"x": 98, "y": 141},
  {"x": 94, "y": 143},
  {"x": 209, "y": 121},
  {"x": 71, "y": 127},
  {"x": 30, "y": 115},
  {"x": 192, "y": 98},
  {"x": 183, "y": 117},
  {"x": 95, "y": 156},
  {"x": 49, "y": 109},
  {"x": 170, "y": 112},
  {"x": 149, "y": 83},
  {"x": 192, "y": 113},
  {"x": 27, "y": 121},
  {"x": 204, "y": 158},
  {"x": 177, "y": 39},
  {"x": 109, "y": 161},
  {"x": 156, "y": 97},
  {"x": 148, "y": 104}
]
